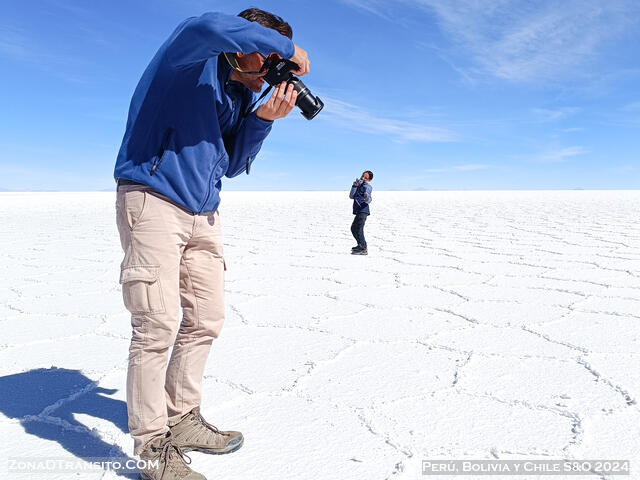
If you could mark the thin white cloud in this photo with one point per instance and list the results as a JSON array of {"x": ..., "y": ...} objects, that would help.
[
  {"x": 353, "y": 117},
  {"x": 631, "y": 107},
  {"x": 16, "y": 44},
  {"x": 523, "y": 40},
  {"x": 373, "y": 6},
  {"x": 552, "y": 115},
  {"x": 625, "y": 168},
  {"x": 470, "y": 167},
  {"x": 562, "y": 154},
  {"x": 12, "y": 43},
  {"x": 532, "y": 40}
]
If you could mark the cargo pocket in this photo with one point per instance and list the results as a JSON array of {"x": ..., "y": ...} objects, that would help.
[{"x": 141, "y": 289}]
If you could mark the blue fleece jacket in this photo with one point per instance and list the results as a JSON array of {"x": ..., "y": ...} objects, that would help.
[
  {"x": 185, "y": 130},
  {"x": 361, "y": 194}
]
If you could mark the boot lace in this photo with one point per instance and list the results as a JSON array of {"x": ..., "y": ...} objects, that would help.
[
  {"x": 172, "y": 453},
  {"x": 198, "y": 418}
]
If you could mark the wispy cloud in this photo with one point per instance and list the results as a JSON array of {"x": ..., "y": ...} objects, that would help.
[
  {"x": 631, "y": 107},
  {"x": 55, "y": 48},
  {"x": 358, "y": 119},
  {"x": 376, "y": 7},
  {"x": 16, "y": 44},
  {"x": 552, "y": 115},
  {"x": 561, "y": 154},
  {"x": 524, "y": 41},
  {"x": 624, "y": 168},
  {"x": 12, "y": 43},
  {"x": 470, "y": 167}
]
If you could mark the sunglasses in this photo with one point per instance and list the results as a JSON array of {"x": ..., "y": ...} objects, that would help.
[{"x": 272, "y": 57}]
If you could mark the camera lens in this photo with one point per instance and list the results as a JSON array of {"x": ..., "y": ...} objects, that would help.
[{"x": 309, "y": 105}]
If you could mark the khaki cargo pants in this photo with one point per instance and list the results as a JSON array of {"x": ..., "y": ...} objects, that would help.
[{"x": 172, "y": 259}]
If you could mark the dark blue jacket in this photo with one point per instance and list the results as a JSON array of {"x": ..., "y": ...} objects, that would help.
[
  {"x": 361, "y": 195},
  {"x": 185, "y": 130}
]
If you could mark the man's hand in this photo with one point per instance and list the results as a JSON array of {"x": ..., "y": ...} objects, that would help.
[
  {"x": 281, "y": 102},
  {"x": 300, "y": 57}
]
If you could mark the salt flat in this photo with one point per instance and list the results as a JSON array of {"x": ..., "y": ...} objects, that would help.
[{"x": 481, "y": 325}]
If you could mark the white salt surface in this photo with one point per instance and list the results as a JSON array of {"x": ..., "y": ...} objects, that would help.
[{"x": 482, "y": 325}]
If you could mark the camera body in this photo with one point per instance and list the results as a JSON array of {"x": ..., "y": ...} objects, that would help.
[{"x": 278, "y": 71}]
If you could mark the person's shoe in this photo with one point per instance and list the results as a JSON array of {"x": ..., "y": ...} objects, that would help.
[
  {"x": 357, "y": 247},
  {"x": 194, "y": 433},
  {"x": 361, "y": 251},
  {"x": 171, "y": 463}
]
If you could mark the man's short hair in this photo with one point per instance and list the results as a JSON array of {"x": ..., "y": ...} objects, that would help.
[
  {"x": 370, "y": 173},
  {"x": 268, "y": 20}
]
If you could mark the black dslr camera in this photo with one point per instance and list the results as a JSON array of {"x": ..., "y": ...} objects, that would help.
[{"x": 278, "y": 71}]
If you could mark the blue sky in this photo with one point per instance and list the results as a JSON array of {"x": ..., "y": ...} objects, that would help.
[{"x": 429, "y": 94}]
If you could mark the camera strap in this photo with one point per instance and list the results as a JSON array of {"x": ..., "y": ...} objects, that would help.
[{"x": 264, "y": 94}]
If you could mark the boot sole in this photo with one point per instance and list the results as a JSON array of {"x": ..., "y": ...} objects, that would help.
[
  {"x": 144, "y": 476},
  {"x": 212, "y": 452}
]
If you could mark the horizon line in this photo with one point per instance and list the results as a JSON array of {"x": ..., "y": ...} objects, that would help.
[{"x": 550, "y": 189}]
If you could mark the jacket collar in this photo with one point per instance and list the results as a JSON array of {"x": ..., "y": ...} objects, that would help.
[{"x": 224, "y": 70}]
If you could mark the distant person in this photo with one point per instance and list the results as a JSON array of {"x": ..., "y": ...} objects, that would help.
[
  {"x": 361, "y": 194},
  {"x": 190, "y": 124}
]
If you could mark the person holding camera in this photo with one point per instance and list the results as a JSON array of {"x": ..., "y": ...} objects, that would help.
[
  {"x": 361, "y": 194},
  {"x": 191, "y": 122}
]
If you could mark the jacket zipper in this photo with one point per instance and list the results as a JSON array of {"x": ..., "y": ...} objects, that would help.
[
  {"x": 206, "y": 198},
  {"x": 163, "y": 148}
]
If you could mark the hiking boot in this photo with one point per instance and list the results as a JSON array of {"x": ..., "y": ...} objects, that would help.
[
  {"x": 171, "y": 465},
  {"x": 357, "y": 247},
  {"x": 361, "y": 251},
  {"x": 194, "y": 433}
]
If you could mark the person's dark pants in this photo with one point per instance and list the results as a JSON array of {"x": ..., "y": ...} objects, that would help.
[{"x": 357, "y": 229}]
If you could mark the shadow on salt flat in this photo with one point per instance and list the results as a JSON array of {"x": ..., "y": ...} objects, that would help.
[{"x": 45, "y": 401}]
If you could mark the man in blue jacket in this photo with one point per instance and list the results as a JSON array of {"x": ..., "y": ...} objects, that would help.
[
  {"x": 361, "y": 194},
  {"x": 190, "y": 124}
]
